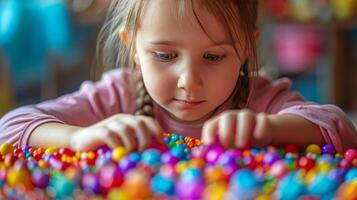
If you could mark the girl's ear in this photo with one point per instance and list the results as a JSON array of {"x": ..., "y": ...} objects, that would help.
[
  {"x": 136, "y": 59},
  {"x": 123, "y": 36},
  {"x": 257, "y": 33}
]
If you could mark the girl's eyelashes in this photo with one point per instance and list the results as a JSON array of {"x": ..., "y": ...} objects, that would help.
[
  {"x": 214, "y": 57},
  {"x": 165, "y": 57},
  {"x": 170, "y": 56}
]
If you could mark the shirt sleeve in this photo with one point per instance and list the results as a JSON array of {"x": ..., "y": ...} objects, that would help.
[
  {"x": 94, "y": 101},
  {"x": 276, "y": 98}
]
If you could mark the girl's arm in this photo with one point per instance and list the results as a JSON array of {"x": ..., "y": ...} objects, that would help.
[
  {"x": 332, "y": 122},
  {"x": 52, "y": 134},
  {"x": 293, "y": 129},
  {"x": 92, "y": 103},
  {"x": 298, "y": 116}
]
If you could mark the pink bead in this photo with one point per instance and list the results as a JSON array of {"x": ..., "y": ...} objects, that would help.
[
  {"x": 213, "y": 154},
  {"x": 350, "y": 154},
  {"x": 279, "y": 169}
]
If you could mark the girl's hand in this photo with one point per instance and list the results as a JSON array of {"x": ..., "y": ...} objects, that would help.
[
  {"x": 132, "y": 132},
  {"x": 238, "y": 128}
]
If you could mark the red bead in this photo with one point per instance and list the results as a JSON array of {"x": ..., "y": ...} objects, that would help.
[
  {"x": 290, "y": 148},
  {"x": 67, "y": 151},
  {"x": 306, "y": 163},
  {"x": 351, "y": 154},
  {"x": 18, "y": 151}
]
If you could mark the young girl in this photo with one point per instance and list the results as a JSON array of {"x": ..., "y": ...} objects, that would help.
[{"x": 192, "y": 71}]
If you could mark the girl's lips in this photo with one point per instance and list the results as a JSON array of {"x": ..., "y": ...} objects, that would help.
[{"x": 188, "y": 104}]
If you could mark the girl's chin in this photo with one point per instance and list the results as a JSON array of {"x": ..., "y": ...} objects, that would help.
[{"x": 190, "y": 119}]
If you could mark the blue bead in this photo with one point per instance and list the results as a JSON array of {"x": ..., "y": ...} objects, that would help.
[
  {"x": 162, "y": 185},
  {"x": 322, "y": 185},
  {"x": 151, "y": 157},
  {"x": 245, "y": 184},
  {"x": 178, "y": 151},
  {"x": 245, "y": 179},
  {"x": 290, "y": 187},
  {"x": 351, "y": 174},
  {"x": 135, "y": 156},
  {"x": 191, "y": 174},
  {"x": 63, "y": 186},
  {"x": 167, "y": 140}
]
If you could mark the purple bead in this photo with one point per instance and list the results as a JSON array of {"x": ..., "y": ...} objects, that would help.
[
  {"x": 328, "y": 149},
  {"x": 169, "y": 158},
  {"x": 337, "y": 174},
  {"x": 230, "y": 168},
  {"x": 90, "y": 183},
  {"x": 103, "y": 149},
  {"x": 200, "y": 152},
  {"x": 271, "y": 157},
  {"x": 229, "y": 157},
  {"x": 213, "y": 153},
  {"x": 110, "y": 176},
  {"x": 190, "y": 189},
  {"x": 40, "y": 178},
  {"x": 102, "y": 161},
  {"x": 126, "y": 164}
]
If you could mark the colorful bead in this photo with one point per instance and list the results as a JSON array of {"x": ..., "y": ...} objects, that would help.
[
  {"x": 6, "y": 148},
  {"x": 314, "y": 149},
  {"x": 118, "y": 153},
  {"x": 184, "y": 171}
]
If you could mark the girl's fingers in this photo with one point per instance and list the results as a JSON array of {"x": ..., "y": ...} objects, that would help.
[
  {"x": 262, "y": 132},
  {"x": 246, "y": 123},
  {"x": 227, "y": 128},
  {"x": 154, "y": 128},
  {"x": 209, "y": 131},
  {"x": 124, "y": 132},
  {"x": 141, "y": 131}
]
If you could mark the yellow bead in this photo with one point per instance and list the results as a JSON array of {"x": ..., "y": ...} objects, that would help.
[
  {"x": 42, "y": 164},
  {"x": 6, "y": 148},
  {"x": 118, "y": 153},
  {"x": 338, "y": 155},
  {"x": 310, "y": 176},
  {"x": 19, "y": 177},
  {"x": 50, "y": 150},
  {"x": 198, "y": 163},
  {"x": 214, "y": 175},
  {"x": 178, "y": 142},
  {"x": 78, "y": 154},
  {"x": 215, "y": 191},
  {"x": 324, "y": 167},
  {"x": 90, "y": 155},
  {"x": 181, "y": 166},
  {"x": 117, "y": 194},
  {"x": 264, "y": 197},
  {"x": 313, "y": 148}
]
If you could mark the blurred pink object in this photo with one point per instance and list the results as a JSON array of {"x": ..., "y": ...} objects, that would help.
[{"x": 297, "y": 47}]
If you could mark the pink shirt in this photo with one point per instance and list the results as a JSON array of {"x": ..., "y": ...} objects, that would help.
[{"x": 115, "y": 93}]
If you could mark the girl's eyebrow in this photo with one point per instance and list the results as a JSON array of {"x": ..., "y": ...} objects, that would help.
[{"x": 172, "y": 43}]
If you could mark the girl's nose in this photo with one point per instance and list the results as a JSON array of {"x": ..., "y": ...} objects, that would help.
[{"x": 189, "y": 80}]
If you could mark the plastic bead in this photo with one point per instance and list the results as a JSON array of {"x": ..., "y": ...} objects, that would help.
[
  {"x": 110, "y": 176},
  {"x": 118, "y": 153},
  {"x": 328, "y": 149},
  {"x": 6, "y": 148},
  {"x": 313, "y": 148},
  {"x": 163, "y": 185}
]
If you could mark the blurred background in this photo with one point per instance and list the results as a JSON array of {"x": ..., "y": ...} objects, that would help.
[{"x": 47, "y": 48}]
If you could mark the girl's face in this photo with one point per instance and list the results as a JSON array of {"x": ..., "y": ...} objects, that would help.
[{"x": 185, "y": 71}]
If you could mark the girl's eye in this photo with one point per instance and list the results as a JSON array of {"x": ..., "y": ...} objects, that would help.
[
  {"x": 165, "y": 57},
  {"x": 213, "y": 57}
]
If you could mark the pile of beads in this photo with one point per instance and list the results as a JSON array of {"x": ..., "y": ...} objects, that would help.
[{"x": 182, "y": 168}]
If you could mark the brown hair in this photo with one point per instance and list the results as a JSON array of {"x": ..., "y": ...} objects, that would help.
[{"x": 238, "y": 16}]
